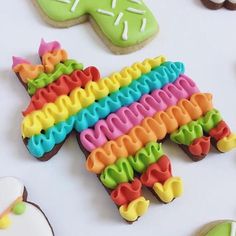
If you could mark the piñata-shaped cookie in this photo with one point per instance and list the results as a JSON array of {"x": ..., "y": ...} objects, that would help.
[
  {"x": 120, "y": 121},
  {"x": 123, "y": 25}
]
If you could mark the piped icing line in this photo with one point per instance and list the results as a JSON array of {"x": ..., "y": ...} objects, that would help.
[
  {"x": 74, "y": 6},
  {"x": 136, "y": 11},
  {"x": 27, "y": 71},
  {"x": 19, "y": 60},
  {"x": 51, "y": 59},
  {"x": 227, "y": 143},
  {"x": 136, "y": 1},
  {"x": 44, "y": 79},
  {"x": 144, "y": 24},
  {"x": 119, "y": 123},
  {"x": 63, "y": 86},
  {"x": 151, "y": 129},
  {"x": 80, "y": 98},
  {"x": 233, "y": 229},
  {"x": 113, "y": 5},
  {"x": 125, "y": 193},
  {"x": 48, "y": 47},
  {"x": 118, "y": 19},
  {"x": 134, "y": 209},
  {"x": 160, "y": 171},
  {"x": 105, "y": 12},
  {"x": 87, "y": 117},
  {"x": 171, "y": 189},
  {"x": 200, "y": 147},
  {"x": 126, "y": 31},
  {"x": 186, "y": 134},
  {"x": 63, "y": 1},
  {"x": 221, "y": 131}
]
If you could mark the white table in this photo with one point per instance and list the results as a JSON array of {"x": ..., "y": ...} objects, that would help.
[{"x": 73, "y": 199}]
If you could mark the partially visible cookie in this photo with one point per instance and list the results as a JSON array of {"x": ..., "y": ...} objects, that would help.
[
  {"x": 17, "y": 215},
  {"x": 217, "y": 4},
  {"x": 219, "y": 228},
  {"x": 123, "y": 25}
]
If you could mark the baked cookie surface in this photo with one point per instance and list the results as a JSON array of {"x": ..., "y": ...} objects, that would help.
[{"x": 123, "y": 25}]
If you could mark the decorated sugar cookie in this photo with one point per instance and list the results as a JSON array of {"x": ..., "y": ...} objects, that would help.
[
  {"x": 217, "y": 4},
  {"x": 219, "y": 228},
  {"x": 17, "y": 216},
  {"x": 123, "y": 25},
  {"x": 120, "y": 121}
]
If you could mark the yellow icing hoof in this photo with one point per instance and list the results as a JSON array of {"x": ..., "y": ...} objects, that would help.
[
  {"x": 172, "y": 188},
  {"x": 135, "y": 209},
  {"x": 227, "y": 144},
  {"x": 5, "y": 222}
]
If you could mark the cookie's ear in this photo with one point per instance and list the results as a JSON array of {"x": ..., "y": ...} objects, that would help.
[{"x": 25, "y": 70}]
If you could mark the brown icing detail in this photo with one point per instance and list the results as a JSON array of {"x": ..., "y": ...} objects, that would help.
[
  {"x": 200, "y": 147},
  {"x": 215, "y": 6},
  {"x": 220, "y": 131}
]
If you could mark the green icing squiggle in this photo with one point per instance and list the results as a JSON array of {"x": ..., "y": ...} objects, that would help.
[
  {"x": 44, "y": 79},
  {"x": 146, "y": 156},
  {"x": 210, "y": 120},
  {"x": 120, "y": 172},
  {"x": 188, "y": 133}
]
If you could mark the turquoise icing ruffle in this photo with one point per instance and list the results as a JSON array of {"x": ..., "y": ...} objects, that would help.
[{"x": 168, "y": 72}]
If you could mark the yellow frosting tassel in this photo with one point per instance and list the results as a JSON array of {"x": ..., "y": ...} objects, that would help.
[
  {"x": 172, "y": 188},
  {"x": 136, "y": 208},
  {"x": 227, "y": 144},
  {"x": 5, "y": 222}
]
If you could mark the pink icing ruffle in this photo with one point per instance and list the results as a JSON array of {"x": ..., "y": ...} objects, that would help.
[
  {"x": 119, "y": 123},
  {"x": 48, "y": 47}
]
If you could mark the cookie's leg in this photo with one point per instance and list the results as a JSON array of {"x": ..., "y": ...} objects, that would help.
[
  {"x": 195, "y": 137},
  {"x": 153, "y": 168}
]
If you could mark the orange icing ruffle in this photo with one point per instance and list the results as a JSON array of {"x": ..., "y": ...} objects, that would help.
[
  {"x": 51, "y": 59},
  {"x": 28, "y": 71},
  {"x": 158, "y": 172},
  {"x": 151, "y": 129}
]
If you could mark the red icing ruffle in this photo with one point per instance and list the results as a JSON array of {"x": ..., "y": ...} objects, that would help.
[
  {"x": 222, "y": 130},
  {"x": 157, "y": 172},
  {"x": 126, "y": 192},
  {"x": 200, "y": 146},
  {"x": 62, "y": 86}
]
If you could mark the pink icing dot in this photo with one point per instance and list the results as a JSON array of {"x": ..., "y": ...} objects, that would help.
[
  {"x": 48, "y": 47},
  {"x": 18, "y": 60}
]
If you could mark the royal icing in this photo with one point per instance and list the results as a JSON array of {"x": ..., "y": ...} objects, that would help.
[
  {"x": 18, "y": 217},
  {"x": 120, "y": 121},
  {"x": 132, "y": 20},
  {"x": 226, "y": 228}
]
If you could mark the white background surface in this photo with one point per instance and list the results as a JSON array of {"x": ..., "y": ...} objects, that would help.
[{"x": 73, "y": 199}]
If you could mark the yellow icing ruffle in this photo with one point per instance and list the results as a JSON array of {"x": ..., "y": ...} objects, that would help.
[
  {"x": 5, "y": 222},
  {"x": 227, "y": 144},
  {"x": 64, "y": 106},
  {"x": 51, "y": 59},
  {"x": 171, "y": 189},
  {"x": 135, "y": 209}
]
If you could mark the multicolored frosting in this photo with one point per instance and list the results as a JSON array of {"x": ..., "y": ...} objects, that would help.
[
  {"x": 120, "y": 121},
  {"x": 18, "y": 217},
  {"x": 124, "y": 23}
]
